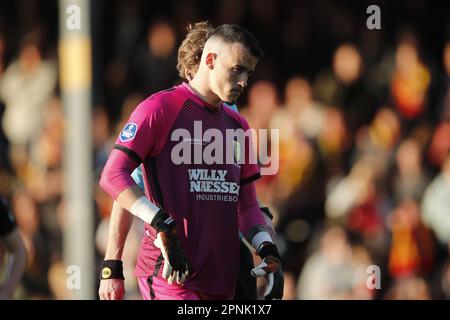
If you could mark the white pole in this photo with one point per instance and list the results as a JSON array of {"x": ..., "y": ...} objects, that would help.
[{"x": 76, "y": 80}]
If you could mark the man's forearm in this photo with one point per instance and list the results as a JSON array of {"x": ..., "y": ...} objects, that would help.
[
  {"x": 119, "y": 225},
  {"x": 128, "y": 197},
  {"x": 133, "y": 200}
]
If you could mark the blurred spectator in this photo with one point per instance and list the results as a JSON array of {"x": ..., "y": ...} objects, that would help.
[
  {"x": 26, "y": 87},
  {"x": 295, "y": 153},
  {"x": 411, "y": 288},
  {"x": 154, "y": 63},
  {"x": 335, "y": 270},
  {"x": 290, "y": 283},
  {"x": 357, "y": 203},
  {"x": 412, "y": 246},
  {"x": 411, "y": 79},
  {"x": 262, "y": 103},
  {"x": 11, "y": 243},
  {"x": 128, "y": 29},
  {"x": 2, "y": 53},
  {"x": 445, "y": 281},
  {"x": 306, "y": 114},
  {"x": 361, "y": 260},
  {"x": 380, "y": 137},
  {"x": 347, "y": 64},
  {"x": 101, "y": 135},
  {"x": 332, "y": 138},
  {"x": 411, "y": 179},
  {"x": 354, "y": 195},
  {"x": 440, "y": 144},
  {"x": 436, "y": 204},
  {"x": 344, "y": 86},
  {"x": 326, "y": 273},
  {"x": 445, "y": 103},
  {"x": 229, "y": 11},
  {"x": 36, "y": 244},
  {"x": 57, "y": 281}
]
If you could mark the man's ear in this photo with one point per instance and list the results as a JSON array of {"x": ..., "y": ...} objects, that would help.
[
  {"x": 211, "y": 59},
  {"x": 188, "y": 75}
]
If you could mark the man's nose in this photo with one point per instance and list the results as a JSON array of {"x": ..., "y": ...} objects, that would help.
[{"x": 243, "y": 81}]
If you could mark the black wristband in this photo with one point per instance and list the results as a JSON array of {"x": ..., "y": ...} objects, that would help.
[
  {"x": 269, "y": 249},
  {"x": 162, "y": 222},
  {"x": 112, "y": 269},
  {"x": 266, "y": 210}
]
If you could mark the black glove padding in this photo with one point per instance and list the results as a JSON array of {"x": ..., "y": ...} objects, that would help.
[
  {"x": 271, "y": 260},
  {"x": 275, "y": 285},
  {"x": 270, "y": 268},
  {"x": 175, "y": 263}
]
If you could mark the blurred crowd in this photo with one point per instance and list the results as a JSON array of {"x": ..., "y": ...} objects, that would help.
[{"x": 364, "y": 120}]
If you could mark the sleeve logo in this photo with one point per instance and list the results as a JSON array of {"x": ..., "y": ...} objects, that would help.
[{"x": 129, "y": 132}]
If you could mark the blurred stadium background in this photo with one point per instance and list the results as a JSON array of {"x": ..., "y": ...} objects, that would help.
[{"x": 364, "y": 143}]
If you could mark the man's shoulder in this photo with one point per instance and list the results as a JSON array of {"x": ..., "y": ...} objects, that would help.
[
  {"x": 165, "y": 94},
  {"x": 162, "y": 100}
]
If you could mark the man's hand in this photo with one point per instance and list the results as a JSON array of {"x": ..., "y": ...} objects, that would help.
[
  {"x": 275, "y": 285},
  {"x": 270, "y": 268},
  {"x": 175, "y": 263},
  {"x": 111, "y": 289},
  {"x": 268, "y": 265}
]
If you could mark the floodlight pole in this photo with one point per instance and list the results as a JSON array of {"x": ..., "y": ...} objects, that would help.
[{"x": 75, "y": 61}]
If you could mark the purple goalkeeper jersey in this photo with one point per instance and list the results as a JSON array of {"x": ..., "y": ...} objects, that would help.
[{"x": 202, "y": 198}]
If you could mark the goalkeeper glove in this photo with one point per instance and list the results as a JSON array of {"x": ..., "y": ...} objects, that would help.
[
  {"x": 175, "y": 263},
  {"x": 275, "y": 285},
  {"x": 270, "y": 268}
]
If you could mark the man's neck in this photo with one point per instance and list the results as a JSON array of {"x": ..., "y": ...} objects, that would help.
[{"x": 204, "y": 93}]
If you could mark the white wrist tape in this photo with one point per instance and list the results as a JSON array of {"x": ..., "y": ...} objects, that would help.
[
  {"x": 144, "y": 209},
  {"x": 260, "y": 238}
]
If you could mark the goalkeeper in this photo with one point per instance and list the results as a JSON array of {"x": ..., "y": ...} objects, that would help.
[{"x": 166, "y": 236}]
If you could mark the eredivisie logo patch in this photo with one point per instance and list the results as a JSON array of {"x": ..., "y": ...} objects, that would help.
[{"x": 129, "y": 132}]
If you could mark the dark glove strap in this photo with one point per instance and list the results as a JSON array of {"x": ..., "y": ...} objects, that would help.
[
  {"x": 269, "y": 249},
  {"x": 267, "y": 212},
  {"x": 112, "y": 269},
  {"x": 162, "y": 222}
]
